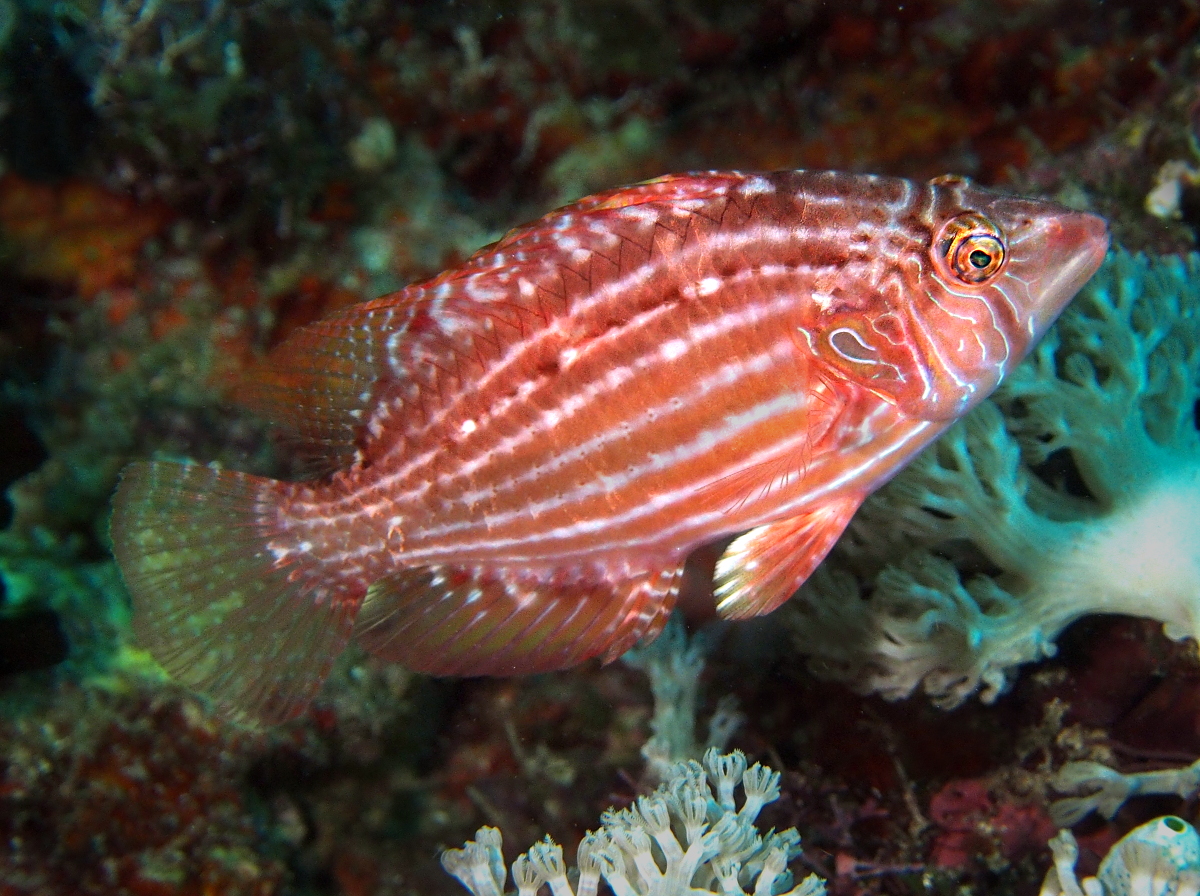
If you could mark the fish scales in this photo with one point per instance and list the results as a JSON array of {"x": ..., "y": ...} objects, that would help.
[
  {"x": 524, "y": 449},
  {"x": 605, "y": 350}
]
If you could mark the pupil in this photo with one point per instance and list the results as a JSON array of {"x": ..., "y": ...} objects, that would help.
[{"x": 980, "y": 259}]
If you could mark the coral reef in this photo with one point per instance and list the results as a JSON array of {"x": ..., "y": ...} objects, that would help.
[
  {"x": 183, "y": 184},
  {"x": 1096, "y": 787},
  {"x": 124, "y": 786},
  {"x": 75, "y": 232},
  {"x": 974, "y": 825},
  {"x": 1071, "y": 492},
  {"x": 1161, "y": 856},
  {"x": 688, "y": 836},
  {"x": 104, "y": 794}
]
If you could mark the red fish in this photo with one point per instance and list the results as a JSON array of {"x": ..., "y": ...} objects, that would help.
[{"x": 524, "y": 449}]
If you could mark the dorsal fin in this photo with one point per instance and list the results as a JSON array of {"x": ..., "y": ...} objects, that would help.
[
  {"x": 323, "y": 384},
  {"x": 318, "y": 385},
  {"x": 670, "y": 189}
]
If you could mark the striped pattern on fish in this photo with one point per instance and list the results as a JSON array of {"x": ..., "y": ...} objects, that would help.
[{"x": 524, "y": 449}]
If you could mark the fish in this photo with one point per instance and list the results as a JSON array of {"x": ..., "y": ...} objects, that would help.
[{"x": 520, "y": 453}]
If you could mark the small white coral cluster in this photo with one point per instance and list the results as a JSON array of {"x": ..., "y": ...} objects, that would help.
[
  {"x": 687, "y": 838},
  {"x": 1075, "y": 490},
  {"x": 1160, "y": 858}
]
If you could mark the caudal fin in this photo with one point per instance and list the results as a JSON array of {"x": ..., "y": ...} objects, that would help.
[{"x": 212, "y": 602}]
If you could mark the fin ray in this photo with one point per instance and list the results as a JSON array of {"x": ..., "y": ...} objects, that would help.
[
  {"x": 763, "y": 567},
  {"x": 496, "y": 621},
  {"x": 210, "y": 603}
]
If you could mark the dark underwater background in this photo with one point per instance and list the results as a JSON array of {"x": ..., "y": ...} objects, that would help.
[{"x": 183, "y": 183}]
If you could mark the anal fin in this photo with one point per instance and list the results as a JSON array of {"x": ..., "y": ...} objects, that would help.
[
  {"x": 483, "y": 620},
  {"x": 763, "y": 567}
]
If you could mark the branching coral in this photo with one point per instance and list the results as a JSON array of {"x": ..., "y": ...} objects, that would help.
[
  {"x": 1096, "y": 787},
  {"x": 1076, "y": 490},
  {"x": 688, "y": 837},
  {"x": 674, "y": 663}
]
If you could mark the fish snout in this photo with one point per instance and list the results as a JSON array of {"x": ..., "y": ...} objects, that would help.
[
  {"x": 1082, "y": 235},
  {"x": 1073, "y": 245}
]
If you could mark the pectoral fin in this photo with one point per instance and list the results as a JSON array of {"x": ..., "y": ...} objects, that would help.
[{"x": 763, "y": 568}]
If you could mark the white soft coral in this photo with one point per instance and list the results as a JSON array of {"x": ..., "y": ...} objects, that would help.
[
  {"x": 688, "y": 838},
  {"x": 1075, "y": 490}
]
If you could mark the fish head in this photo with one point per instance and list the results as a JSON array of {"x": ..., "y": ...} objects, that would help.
[{"x": 969, "y": 281}]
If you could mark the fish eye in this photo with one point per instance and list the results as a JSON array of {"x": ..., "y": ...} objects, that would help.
[
  {"x": 972, "y": 248},
  {"x": 1175, "y": 824}
]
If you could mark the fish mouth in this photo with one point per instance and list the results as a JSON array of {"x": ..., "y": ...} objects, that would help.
[{"x": 1078, "y": 242}]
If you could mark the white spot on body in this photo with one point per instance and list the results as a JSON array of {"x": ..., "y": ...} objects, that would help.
[
  {"x": 673, "y": 349},
  {"x": 617, "y": 377},
  {"x": 756, "y": 186},
  {"x": 467, "y": 427},
  {"x": 640, "y": 213}
]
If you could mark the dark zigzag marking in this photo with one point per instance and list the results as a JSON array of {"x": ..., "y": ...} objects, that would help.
[
  {"x": 615, "y": 263},
  {"x": 586, "y": 278},
  {"x": 684, "y": 234}
]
